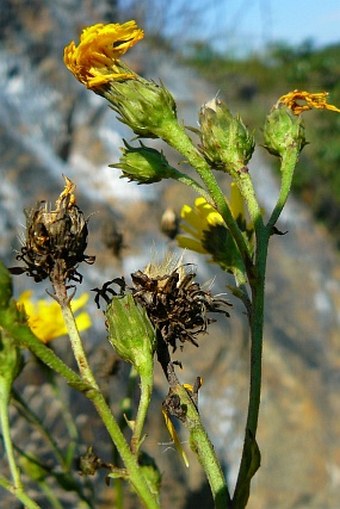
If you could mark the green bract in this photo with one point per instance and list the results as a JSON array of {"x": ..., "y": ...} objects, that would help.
[
  {"x": 131, "y": 333},
  {"x": 283, "y": 131},
  {"x": 146, "y": 107},
  {"x": 226, "y": 143}
]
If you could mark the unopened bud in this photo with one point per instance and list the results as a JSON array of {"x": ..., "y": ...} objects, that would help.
[
  {"x": 144, "y": 165},
  {"x": 146, "y": 107},
  {"x": 226, "y": 143},
  {"x": 283, "y": 131},
  {"x": 130, "y": 332}
]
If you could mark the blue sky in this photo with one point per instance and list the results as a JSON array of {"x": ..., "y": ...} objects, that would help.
[{"x": 250, "y": 24}]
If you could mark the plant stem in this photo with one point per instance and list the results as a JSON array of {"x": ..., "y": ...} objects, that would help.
[
  {"x": 288, "y": 164},
  {"x": 249, "y": 463},
  {"x": 245, "y": 185},
  {"x": 203, "y": 448},
  {"x": 6, "y": 433},
  {"x": 190, "y": 182},
  {"x": 146, "y": 386},
  {"x": 19, "y": 494},
  {"x": 130, "y": 460},
  {"x": 256, "y": 316},
  {"x": 77, "y": 345},
  {"x": 50, "y": 495}
]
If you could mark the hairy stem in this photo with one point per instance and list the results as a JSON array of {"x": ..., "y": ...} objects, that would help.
[
  {"x": 146, "y": 386},
  {"x": 203, "y": 448}
]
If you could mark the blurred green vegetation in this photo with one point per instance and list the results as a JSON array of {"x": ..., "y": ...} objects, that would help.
[{"x": 253, "y": 84}]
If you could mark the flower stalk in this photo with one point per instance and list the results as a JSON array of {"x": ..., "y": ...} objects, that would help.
[{"x": 203, "y": 448}]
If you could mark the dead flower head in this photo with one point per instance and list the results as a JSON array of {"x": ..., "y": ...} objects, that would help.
[
  {"x": 55, "y": 239},
  {"x": 176, "y": 304}
]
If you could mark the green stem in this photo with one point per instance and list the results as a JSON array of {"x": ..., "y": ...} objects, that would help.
[
  {"x": 288, "y": 164},
  {"x": 20, "y": 495},
  {"x": 146, "y": 386},
  {"x": 249, "y": 461},
  {"x": 245, "y": 185},
  {"x": 130, "y": 460},
  {"x": 175, "y": 135},
  {"x": 190, "y": 182},
  {"x": 77, "y": 345},
  {"x": 5, "y": 390},
  {"x": 203, "y": 448},
  {"x": 256, "y": 317},
  {"x": 26, "y": 339}
]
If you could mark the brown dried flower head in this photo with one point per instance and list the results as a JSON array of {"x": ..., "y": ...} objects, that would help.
[
  {"x": 55, "y": 239},
  {"x": 176, "y": 304}
]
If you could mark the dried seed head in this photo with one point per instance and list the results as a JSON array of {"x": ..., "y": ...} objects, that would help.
[
  {"x": 176, "y": 304},
  {"x": 55, "y": 239}
]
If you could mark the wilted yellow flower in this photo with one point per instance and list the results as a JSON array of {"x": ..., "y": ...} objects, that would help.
[
  {"x": 299, "y": 101},
  {"x": 45, "y": 318},
  {"x": 95, "y": 61}
]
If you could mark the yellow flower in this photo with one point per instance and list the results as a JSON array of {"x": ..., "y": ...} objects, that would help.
[
  {"x": 45, "y": 318},
  {"x": 95, "y": 61},
  {"x": 309, "y": 101},
  {"x": 203, "y": 217},
  {"x": 197, "y": 220}
]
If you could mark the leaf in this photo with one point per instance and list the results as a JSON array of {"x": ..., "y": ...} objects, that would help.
[{"x": 250, "y": 464}]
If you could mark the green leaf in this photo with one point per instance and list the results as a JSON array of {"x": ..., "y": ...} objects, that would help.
[{"x": 252, "y": 461}]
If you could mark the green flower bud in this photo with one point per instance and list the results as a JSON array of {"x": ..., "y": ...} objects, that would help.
[
  {"x": 283, "y": 131},
  {"x": 225, "y": 141},
  {"x": 144, "y": 165},
  {"x": 130, "y": 332},
  {"x": 146, "y": 107}
]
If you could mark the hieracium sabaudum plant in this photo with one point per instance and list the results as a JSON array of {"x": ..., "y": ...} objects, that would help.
[{"x": 162, "y": 307}]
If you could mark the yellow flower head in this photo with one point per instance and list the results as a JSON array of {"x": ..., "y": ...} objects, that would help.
[
  {"x": 299, "y": 101},
  {"x": 45, "y": 318},
  {"x": 197, "y": 220},
  {"x": 94, "y": 62}
]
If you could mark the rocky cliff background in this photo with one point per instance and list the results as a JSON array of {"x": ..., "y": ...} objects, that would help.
[{"x": 50, "y": 126}]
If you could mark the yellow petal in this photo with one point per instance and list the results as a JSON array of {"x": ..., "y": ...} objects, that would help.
[
  {"x": 190, "y": 243},
  {"x": 45, "y": 318},
  {"x": 174, "y": 437},
  {"x": 94, "y": 62}
]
